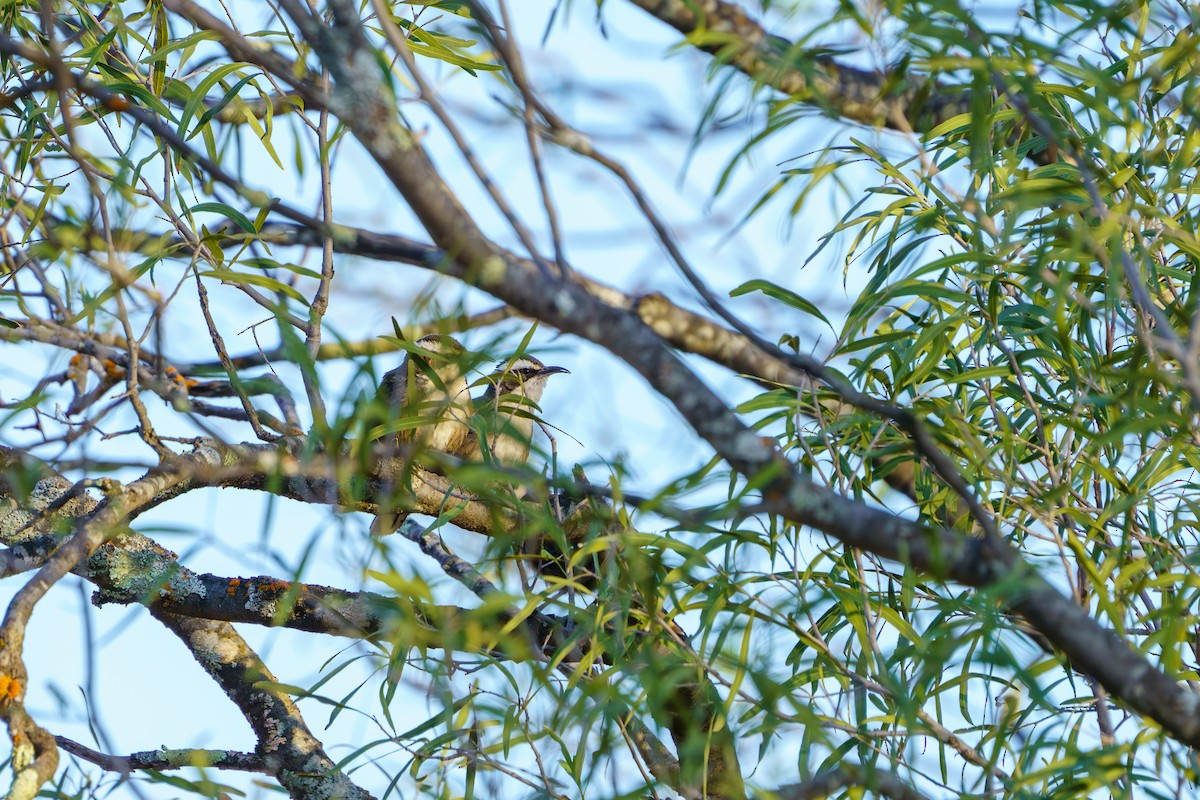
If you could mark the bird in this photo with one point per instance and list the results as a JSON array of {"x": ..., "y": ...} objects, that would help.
[
  {"x": 504, "y": 414},
  {"x": 502, "y": 422},
  {"x": 430, "y": 384}
]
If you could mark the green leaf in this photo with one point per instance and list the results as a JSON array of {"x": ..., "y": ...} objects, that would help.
[
  {"x": 199, "y": 95},
  {"x": 229, "y": 212},
  {"x": 250, "y": 279},
  {"x": 783, "y": 295}
]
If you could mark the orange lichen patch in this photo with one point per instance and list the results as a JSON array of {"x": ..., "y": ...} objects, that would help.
[
  {"x": 10, "y": 689},
  {"x": 112, "y": 369},
  {"x": 174, "y": 376},
  {"x": 234, "y": 583}
]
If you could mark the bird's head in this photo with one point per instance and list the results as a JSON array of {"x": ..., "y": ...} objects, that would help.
[
  {"x": 522, "y": 375},
  {"x": 438, "y": 363}
]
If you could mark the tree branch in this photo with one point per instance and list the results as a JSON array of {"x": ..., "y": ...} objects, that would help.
[
  {"x": 724, "y": 30},
  {"x": 880, "y": 781},
  {"x": 165, "y": 759},
  {"x": 291, "y": 753}
]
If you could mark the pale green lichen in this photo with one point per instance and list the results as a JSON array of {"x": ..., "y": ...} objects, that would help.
[
  {"x": 25, "y": 786},
  {"x": 22, "y": 753},
  {"x": 138, "y": 570},
  {"x": 17, "y": 522},
  {"x": 183, "y": 583},
  {"x": 564, "y": 303},
  {"x": 265, "y": 602},
  {"x": 213, "y": 648},
  {"x": 492, "y": 271},
  {"x": 13, "y": 524}
]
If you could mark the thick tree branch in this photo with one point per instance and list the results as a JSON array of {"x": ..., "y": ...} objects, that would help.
[
  {"x": 290, "y": 468},
  {"x": 904, "y": 102},
  {"x": 271, "y": 602},
  {"x": 724, "y": 30},
  {"x": 897, "y": 99},
  {"x": 830, "y": 782},
  {"x": 290, "y": 751},
  {"x": 131, "y": 568}
]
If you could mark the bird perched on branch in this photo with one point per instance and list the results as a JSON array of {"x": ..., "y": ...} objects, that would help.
[
  {"x": 503, "y": 416},
  {"x": 427, "y": 403}
]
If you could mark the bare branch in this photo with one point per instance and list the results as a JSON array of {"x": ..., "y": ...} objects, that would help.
[{"x": 165, "y": 758}]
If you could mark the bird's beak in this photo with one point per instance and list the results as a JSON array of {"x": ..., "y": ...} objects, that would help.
[{"x": 544, "y": 371}]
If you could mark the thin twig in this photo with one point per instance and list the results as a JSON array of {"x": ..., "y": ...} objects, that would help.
[
  {"x": 429, "y": 96},
  {"x": 516, "y": 69}
]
